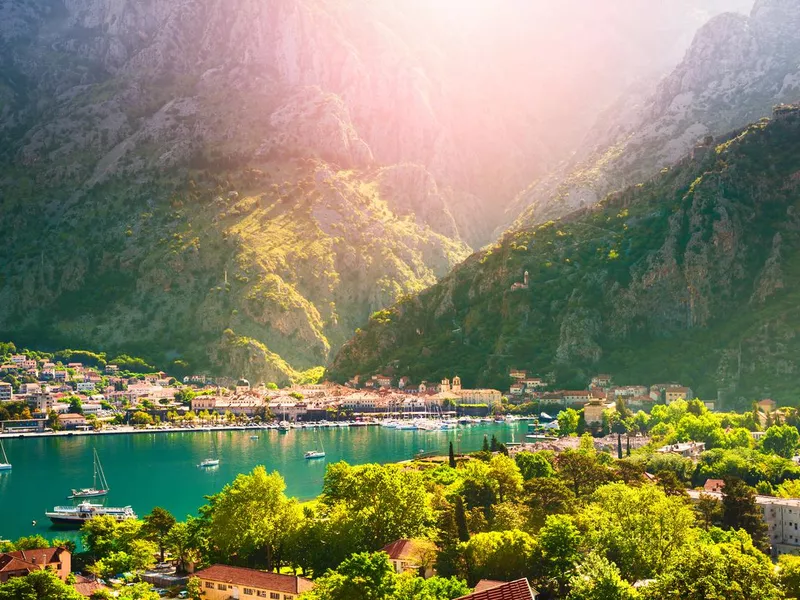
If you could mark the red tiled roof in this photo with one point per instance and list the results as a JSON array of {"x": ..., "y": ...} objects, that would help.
[
  {"x": 258, "y": 579},
  {"x": 39, "y": 556},
  {"x": 87, "y": 587},
  {"x": 487, "y": 584},
  {"x": 713, "y": 485},
  {"x": 516, "y": 590},
  {"x": 406, "y": 549},
  {"x": 12, "y": 564}
]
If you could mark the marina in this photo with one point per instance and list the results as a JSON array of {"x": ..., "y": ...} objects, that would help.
[{"x": 160, "y": 468}]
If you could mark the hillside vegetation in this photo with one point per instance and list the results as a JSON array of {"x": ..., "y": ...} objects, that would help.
[{"x": 690, "y": 277}]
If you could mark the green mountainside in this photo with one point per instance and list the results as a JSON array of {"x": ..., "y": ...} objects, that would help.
[{"x": 689, "y": 277}]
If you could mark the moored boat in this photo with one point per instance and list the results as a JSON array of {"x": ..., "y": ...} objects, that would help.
[
  {"x": 94, "y": 491},
  {"x": 315, "y": 454},
  {"x": 77, "y": 515},
  {"x": 4, "y": 465},
  {"x": 209, "y": 462}
]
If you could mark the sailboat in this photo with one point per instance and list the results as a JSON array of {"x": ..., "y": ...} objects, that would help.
[
  {"x": 93, "y": 491},
  {"x": 311, "y": 454},
  {"x": 213, "y": 461},
  {"x": 5, "y": 465}
]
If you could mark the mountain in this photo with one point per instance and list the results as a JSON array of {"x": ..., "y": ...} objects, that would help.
[
  {"x": 690, "y": 277},
  {"x": 238, "y": 185},
  {"x": 735, "y": 71}
]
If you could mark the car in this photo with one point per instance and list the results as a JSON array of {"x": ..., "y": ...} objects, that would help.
[{"x": 183, "y": 594}]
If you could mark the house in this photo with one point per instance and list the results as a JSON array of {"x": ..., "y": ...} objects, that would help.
[
  {"x": 72, "y": 421},
  {"x": 533, "y": 383},
  {"x": 86, "y": 386},
  {"x": 630, "y": 391},
  {"x": 6, "y": 391},
  {"x": 18, "y": 359},
  {"x": 518, "y": 374},
  {"x": 111, "y": 369},
  {"x": 687, "y": 450},
  {"x": 677, "y": 392},
  {"x": 516, "y": 389},
  {"x": 572, "y": 398},
  {"x": 714, "y": 485},
  {"x": 488, "y": 397},
  {"x": 601, "y": 381},
  {"x": 515, "y": 590},
  {"x": 221, "y": 582},
  {"x": 767, "y": 405},
  {"x": 22, "y": 562},
  {"x": 403, "y": 382},
  {"x": 60, "y": 376},
  {"x": 593, "y": 411},
  {"x": 417, "y": 556},
  {"x": 383, "y": 381},
  {"x": 88, "y": 587}
]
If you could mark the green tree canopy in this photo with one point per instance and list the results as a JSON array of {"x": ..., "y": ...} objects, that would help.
[{"x": 781, "y": 440}]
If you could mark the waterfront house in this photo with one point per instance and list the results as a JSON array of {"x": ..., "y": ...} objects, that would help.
[
  {"x": 417, "y": 556},
  {"x": 497, "y": 590},
  {"x": 20, "y": 563},
  {"x": 221, "y": 582},
  {"x": 72, "y": 421}
]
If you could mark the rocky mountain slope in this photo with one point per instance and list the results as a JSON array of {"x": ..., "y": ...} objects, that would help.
[
  {"x": 240, "y": 184},
  {"x": 735, "y": 71},
  {"x": 691, "y": 277}
]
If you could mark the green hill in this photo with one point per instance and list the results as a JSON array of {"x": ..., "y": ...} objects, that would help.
[{"x": 690, "y": 277}]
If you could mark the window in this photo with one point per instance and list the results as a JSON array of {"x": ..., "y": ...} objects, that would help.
[
  {"x": 209, "y": 585},
  {"x": 222, "y": 586},
  {"x": 248, "y": 592},
  {"x": 287, "y": 597},
  {"x": 261, "y": 594},
  {"x": 275, "y": 596}
]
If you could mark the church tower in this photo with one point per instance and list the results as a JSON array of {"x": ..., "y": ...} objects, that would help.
[
  {"x": 456, "y": 383},
  {"x": 445, "y": 387}
]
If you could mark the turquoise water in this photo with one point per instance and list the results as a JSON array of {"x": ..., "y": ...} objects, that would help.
[{"x": 160, "y": 469}]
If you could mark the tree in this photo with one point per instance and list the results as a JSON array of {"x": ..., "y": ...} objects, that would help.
[
  {"x": 781, "y": 440},
  {"x": 38, "y": 585},
  {"x": 733, "y": 571},
  {"x": 141, "y": 418},
  {"x": 598, "y": 579},
  {"x": 547, "y": 496},
  {"x": 252, "y": 518},
  {"x": 671, "y": 485},
  {"x": 485, "y": 447},
  {"x": 501, "y": 555},
  {"x": 451, "y": 457},
  {"x": 382, "y": 503},
  {"x": 789, "y": 574},
  {"x": 506, "y": 473},
  {"x": 641, "y": 529},
  {"x": 709, "y": 511},
  {"x": 363, "y": 576},
  {"x": 461, "y": 520},
  {"x": 534, "y": 464},
  {"x": 581, "y": 470},
  {"x": 559, "y": 541},
  {"x": 478, "y": 487},
  {"x": 103, "y": 535},
  {"x": 740, "y": 511},
  {"x": 75, "y": 405},
  {"x": 137, "y": 558},
  {"x": 181, "y": 545},
  {"x": 185, "y": 396},
  {"x": 410, "y": 587},
  {"x": 568, "y": 421},
  {"x": 194, "y": 588},
  {"x": 156, "y": 527}
]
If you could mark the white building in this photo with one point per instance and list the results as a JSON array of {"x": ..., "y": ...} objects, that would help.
[
  {"x": 6, "y": 391},
  {"x": 86, "y": 386},
  {"x": 782, "y": 516}
]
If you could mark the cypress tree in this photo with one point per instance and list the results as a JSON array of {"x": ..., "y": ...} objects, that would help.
[
  {"x": 452, "y": 457},
  {"x": 619, "y": 446},
  {"x": 494, "y": 445},
  {"x": 740, "y": 511},
  {"x": 628, "y": 446},
  {"x": 461, "y": 520},
  {"x": 485, "y": 444}
]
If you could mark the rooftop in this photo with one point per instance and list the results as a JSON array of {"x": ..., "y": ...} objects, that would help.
[
  {"x": 515, "y": 590},
  {"x": 258, "y": 579}
]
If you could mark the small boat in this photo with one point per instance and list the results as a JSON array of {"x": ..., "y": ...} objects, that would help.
[
  {"x": 77, "y": 515},
  {"x": 209, "y": 462},
  {"x": 312, "y": 454},
  {"x": 253, "y": 437},
  {"x": 284, "y": 426},
  {"x": 4, "y": 465},
  {"x": 94, "y": 491}
]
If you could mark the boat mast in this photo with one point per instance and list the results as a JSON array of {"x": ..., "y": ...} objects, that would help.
[
  {"x": 5, "y": 458},
  {"x": 99, "y": 470}
]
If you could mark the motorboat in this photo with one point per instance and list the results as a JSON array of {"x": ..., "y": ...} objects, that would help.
[
  {"x": 77, "y": 515},
  {"x": 315, "y": 454},
  {"x": 209, "y": 462}
]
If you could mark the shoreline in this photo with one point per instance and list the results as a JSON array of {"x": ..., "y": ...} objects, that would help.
[{"x": 127, "y": 430}]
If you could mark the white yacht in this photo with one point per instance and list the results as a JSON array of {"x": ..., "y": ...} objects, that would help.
[{"x": 77, "y": 515}]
